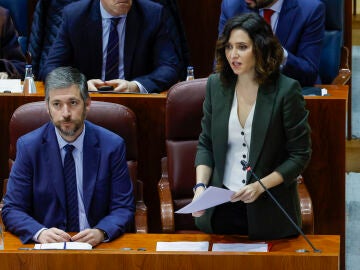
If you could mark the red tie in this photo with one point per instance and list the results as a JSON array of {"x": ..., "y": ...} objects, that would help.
[{"x": 267, "y": 15}]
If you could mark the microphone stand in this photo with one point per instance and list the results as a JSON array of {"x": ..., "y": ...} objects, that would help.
[{"x": 246, "y": 167}]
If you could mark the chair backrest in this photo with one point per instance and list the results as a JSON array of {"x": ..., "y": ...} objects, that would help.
[
  {"x": 19, "y": 14},
  {"x": 115, "y": 117},
  {"x": 183, "y": 118},
  {"x": 333, "y": 40}
]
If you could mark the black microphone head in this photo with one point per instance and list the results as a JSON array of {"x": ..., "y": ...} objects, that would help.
[{"x": 244, "y": 164}]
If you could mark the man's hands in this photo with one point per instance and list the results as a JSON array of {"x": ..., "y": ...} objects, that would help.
[
  {"x": 53, "y": 235},
  {"x": 90, "y": 236},
  {"x": 118, "y": 84}
]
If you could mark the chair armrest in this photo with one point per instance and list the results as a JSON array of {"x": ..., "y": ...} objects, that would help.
[
  {"x": 344, "y": 74},
  {"x": 141, "y": 224},
  {"x": 343, "y": 77},
  {"x": 307, "y": 213},
  {"x": 166, "y": 202}
]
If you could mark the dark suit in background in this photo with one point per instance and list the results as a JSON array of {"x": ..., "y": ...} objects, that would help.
[
  {"x": 46, "y": 21},
  {"x": 149, "y": 52},
  {"x": 12, "y": 60},
  {"x": 300, "y": 29}
]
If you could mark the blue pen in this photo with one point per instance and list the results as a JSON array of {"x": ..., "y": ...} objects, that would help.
[{"x": 64, "y": 245}]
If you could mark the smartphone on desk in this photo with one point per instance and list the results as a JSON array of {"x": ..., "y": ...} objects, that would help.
[{"x": 105, "y": 88}]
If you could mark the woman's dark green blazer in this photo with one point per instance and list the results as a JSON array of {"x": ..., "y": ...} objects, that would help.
[{"x": 280, "y": 141}]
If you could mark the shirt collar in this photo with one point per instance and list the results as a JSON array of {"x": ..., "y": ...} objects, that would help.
[
  {"x": 78, "y": 143},
  {"x": 277, "y": 6}
]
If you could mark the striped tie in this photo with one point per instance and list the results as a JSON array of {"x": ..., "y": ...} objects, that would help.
[
  {"x": 71, "y": 190},
  {"x": 112, "y": 57}
]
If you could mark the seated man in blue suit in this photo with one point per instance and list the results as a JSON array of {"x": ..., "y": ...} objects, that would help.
[
  {"x": 298, "y": 24},
  {"x": 51, "y": 190},
  {"x": 12, "y": 60},
  {"x": 145, "y": 54}
]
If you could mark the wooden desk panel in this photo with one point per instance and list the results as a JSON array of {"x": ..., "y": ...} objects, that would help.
[
  {"x": 325, "y": 174},
  {"x": 324, "y": 177},
  {"x": 111, "y": 256}
]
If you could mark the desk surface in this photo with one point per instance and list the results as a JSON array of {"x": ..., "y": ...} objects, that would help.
[{"x": 111, "y": 255}]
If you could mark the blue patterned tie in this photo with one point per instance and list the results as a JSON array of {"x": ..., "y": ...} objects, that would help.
[
  {"x": 71, "y": 190},
  {"x": 112, "y": 57}
]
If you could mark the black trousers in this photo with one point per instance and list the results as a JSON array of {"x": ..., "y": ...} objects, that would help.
[{"x": 230, "y": 218}]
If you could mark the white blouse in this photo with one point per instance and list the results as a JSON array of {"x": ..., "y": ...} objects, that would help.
[{"x": 239, "y": 140}]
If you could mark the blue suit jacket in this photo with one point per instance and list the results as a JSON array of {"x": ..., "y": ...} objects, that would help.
[
  {"x": 149, "y": 52},
  {"x": 300, "y": 29},
  {"x": 35, "y": 195}
]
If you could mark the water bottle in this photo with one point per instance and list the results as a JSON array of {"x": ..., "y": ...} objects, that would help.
[
  {"x": 29, "y": 84},
  {"x": 190, "y": 73}
]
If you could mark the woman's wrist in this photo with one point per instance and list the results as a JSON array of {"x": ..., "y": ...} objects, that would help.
[{"x": 199, "y": 185}]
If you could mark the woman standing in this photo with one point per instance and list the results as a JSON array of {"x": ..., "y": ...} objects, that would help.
[{"x": 251, "y": 113}]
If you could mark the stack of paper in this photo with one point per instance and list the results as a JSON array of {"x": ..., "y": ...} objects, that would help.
[
  {"x": 10, "y": 86},
  {"x": 63, "y": 245},
  {"x": 182, "y": 246},
  {"x": 242, "y": 247}
]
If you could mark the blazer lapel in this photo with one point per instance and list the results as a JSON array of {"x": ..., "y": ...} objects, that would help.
[
  {"x": 131, "y": 37},
  {"x": 221, "y": 125},
  {"x": 287, "y": 18},
  {"x": 91, "y": 159},
  {"x": 262, "y": 116},
  {"x": 94, "y": 38},
  {"x": 51, "y": 154}
]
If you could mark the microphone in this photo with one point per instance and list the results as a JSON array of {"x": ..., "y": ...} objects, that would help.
[{"x": 246, "y": 167}]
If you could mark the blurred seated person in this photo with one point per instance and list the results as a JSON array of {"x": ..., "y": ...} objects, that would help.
[
  {"x": 46, "y": 21},
  {"x": 253, "y": 113},
  {"x": 69, "y": 175},
  {"x": 298, "y": 24},
  {"x": 123, "y": 44},
  {"x": 12, "y": 60}
]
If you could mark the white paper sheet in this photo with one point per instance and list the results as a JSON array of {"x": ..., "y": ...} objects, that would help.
[
  {"x": 10, "y": 86},
  {"x": 241, "y": 247},
  {"x": 211, "y": 197},
  {"x": 182, "y": 246},
  {"x": 64, "y": 245}
]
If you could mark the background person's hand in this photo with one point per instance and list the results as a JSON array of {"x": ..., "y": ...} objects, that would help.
[
  {"x": 123, "y": 86},
  {"x": 4, "y": 75},
  {"x": 94, "y": 84}
]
